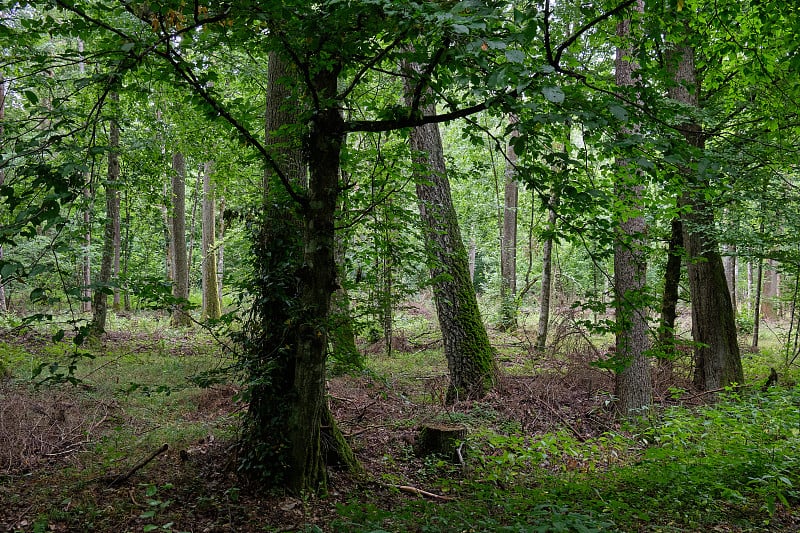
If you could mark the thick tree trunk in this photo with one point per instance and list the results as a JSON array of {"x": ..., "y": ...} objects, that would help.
[
  {"x": 669, "y": 298},
  {"x": 180, "y": 290},
  {"x": 297, "y": 261},
  {"x": 211, "y": 304},
  {"x": 101, "y": 292},
  {"x": 508, "y": 239},
  {"x": 546, "y": 290},
  {"x": 470, "y": 357},
  {"x": 634, "y": 389},
  {"x": 717, "y": 359}
]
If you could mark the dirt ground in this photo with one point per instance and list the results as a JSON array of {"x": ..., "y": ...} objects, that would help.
[{"x": 52, "y": 478}]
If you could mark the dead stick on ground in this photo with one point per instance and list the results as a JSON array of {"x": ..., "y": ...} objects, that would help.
[
  {"x": 123, "y": 478},
  {"x": 420, "y": 492}
]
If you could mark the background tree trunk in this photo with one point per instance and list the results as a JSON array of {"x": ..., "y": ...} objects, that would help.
[
  {"x": 101, "y": 292},
  {"x": 634, "y": 389},
  {"x": 470, "y": 357},
  {"x": 211, "y": 304},
  {"x": 3, "y": 305},
  {"x": 729, "y": 264},
  {"x": 717, "y": 359},
  {"x": 508, "y": 239},
  {"x": 669, "y": 298},
  {"x": 180, "y": 316},
  {"x": 546, "y": 291}
]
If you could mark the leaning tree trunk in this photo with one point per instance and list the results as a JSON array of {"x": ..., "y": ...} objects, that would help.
[
  {"x": 211, "y": 304},
  {"x": 634, "y": 389},
  {"x": 470, "y": 357},
  {"x": 508, "y": 238},
  {"x": 180, "y": 290},
  {"x": 717, "y": 359},
  {"x": 100, "y": 303}
]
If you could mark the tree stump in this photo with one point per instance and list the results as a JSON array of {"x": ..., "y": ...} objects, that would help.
[{"x": 440, "y": 439}]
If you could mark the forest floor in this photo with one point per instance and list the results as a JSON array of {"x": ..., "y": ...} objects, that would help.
[{"x": 543, "y": 451}]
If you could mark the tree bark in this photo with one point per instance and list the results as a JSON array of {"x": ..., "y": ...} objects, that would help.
[
  {"x": 717, "y": 359},
  {"x": 729, "y": 264},
  {"x": 211, "y": 304},
  {"x": 3, "y": 304},
  {"x": 101, "y": 292},
  {"x": 508, "y": 239},
  {"x": 221, "y": 247},
  {"x": 669, "y": 298},
  {"x": 546, "y": 290},
  {"x": 180, "y": 289},
  {"x": 759, "y": 277},
  {"x": 634, "y": 389},
  {"x": 470, "y": 357}
]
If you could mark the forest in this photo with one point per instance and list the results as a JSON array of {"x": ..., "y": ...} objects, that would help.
[{"x": 394, "y": 265}]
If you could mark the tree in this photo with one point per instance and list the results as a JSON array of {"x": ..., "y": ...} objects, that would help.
[
  {"x": 546, "y": 289},
  {"x": 180, "y": 262},
  {"x": 3, "y": 306},
  {"x": 633, "y": 385},
  {"x": 211, "y": 298},
  {"x": 717, "y": 359},
  {"x": 508, "y": 237},
  {"x": 101, "y": 292},
  {"x": 470, "y": 356}
]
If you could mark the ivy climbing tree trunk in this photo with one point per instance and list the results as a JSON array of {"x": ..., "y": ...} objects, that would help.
[
  {"x": 211, "y": 304},
  {"x": 634, "y": 389},
  {"x": 470, "y": 357},
  {"x": 717, "y": 359},
  {"x": 101, "y": 292},
  {"x": 180, "y": 268}
]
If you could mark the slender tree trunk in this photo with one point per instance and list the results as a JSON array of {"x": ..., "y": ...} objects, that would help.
[
  {"x": 100, "y": 307},
  {"x": 180, "y": 316},
  {"x": 126, "y": 255},
  {"x": 546, "y": 291},
  {"x": 3, "y": 304},
  {"x": 508, "y": 239},
  {"x": 717, "y": 359},
  {"x": 633, "y": 385},
  {"x": 757, "y": 302},
  {"x": 221, "y": 247},
  {"x": 211, "y": 304},
  {"x": 669, "y": 299},
  {"x": 115, "y": 268},
  {"x": 729, "y": 264},
  {"x": 86, "y": 248},
  {"x": 196, "y": 199},
  {"x": 470, "y": 357}
]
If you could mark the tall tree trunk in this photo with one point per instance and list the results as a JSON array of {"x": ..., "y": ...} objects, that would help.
[
  {"x": 211, "y": 304},
  {"x": 470, "y": 357},
  {"x": 221, "y": 247},
  {"x": 3, "y": 305},
  {"x": 717, "y": 359},
  {"x": 180, "y": 288},
  {"x": 115, "y": 268},
  {"x": 634, "y": 389},
  {"x": 86, "y": 248},
  {"x": 508, "y": 238},
  {"x": 100, "y": 307},
  {"x": 546, "y": 291},
  {"x": 759, "y": 278},
  {"x": 669, "y": 298},
  {"x": 295, "y": 357}
]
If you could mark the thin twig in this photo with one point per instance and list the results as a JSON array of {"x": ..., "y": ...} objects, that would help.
[{"x": 420, "y": 492}]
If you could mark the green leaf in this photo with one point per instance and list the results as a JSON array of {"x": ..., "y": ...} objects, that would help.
[
  {"x": 515, "y": 56},
  {"x": 31, "y": 96},
  {"x": 619, "y": 112},
  {"x": 127, "y": 47},
  {"x": 553, "y": 94}
]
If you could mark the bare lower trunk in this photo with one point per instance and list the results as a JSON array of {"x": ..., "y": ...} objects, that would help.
[
  {"x": 101, "y": 292},
  {"x": 669, "y": 299},
  {"x": 508, "y": 240},
  {"x": 757, "y": 303},
  {"x": 211, "y": 303},
  {"x": 180, "y": 316},
  {"x": 546, "y": 291}
]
